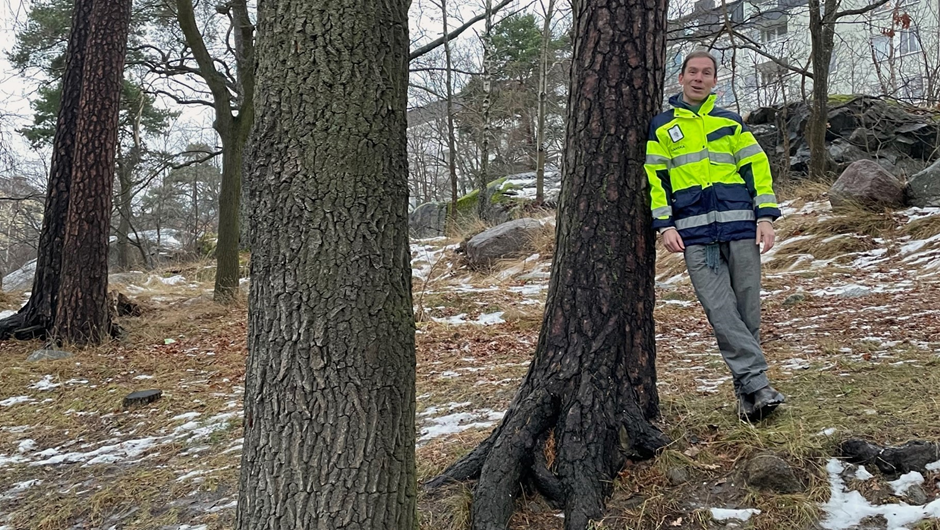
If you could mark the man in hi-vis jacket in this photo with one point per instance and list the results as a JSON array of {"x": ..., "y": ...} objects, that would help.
[{"x": 713, "y": 199}]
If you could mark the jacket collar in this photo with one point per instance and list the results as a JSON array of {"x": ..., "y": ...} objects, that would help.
[{"x": 679, "y": 104}]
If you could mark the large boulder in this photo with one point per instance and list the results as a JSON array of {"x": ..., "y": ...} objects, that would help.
[
  {"x": 866, "y": 183},
  {"x": 428, "y": 220},
  {"x": 20, "y": 279},
  {"x": 923, "y": 189},
  {"x": 772, "y": 473},
  {"x": 504, "y": 241}
]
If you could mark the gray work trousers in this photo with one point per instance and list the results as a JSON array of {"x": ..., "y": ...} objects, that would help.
[{"x": 731, "y": 298}]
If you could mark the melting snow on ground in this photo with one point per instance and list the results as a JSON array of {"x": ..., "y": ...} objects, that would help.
[
  {"x": 846, "y": 509},
  {"x": 905, "y": 481},
  {"x": 457, "y": 422},
  {"x": 723, "y": 514},
  {"x": 45, "y": 383},
  {"x": 16, "y": 400},
  {"x": 484, "y": 320},
  {"x": 115, "y": 450}
]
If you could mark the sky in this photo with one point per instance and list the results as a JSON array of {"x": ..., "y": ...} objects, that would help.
[{"x": 15, "y": 91}]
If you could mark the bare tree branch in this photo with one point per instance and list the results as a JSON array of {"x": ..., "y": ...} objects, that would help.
[
  {"x": 456, "y": 33},
  {"x": 859, "y": 11}
]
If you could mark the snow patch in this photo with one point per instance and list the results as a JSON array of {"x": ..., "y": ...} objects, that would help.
[
  {"x": 16, "y": 400},
  {"x": 45, "y": 383},
  {"x": 845, "y": 291},
  {"x": 173, "y": 280},
  {"x": 723, "y": 514},
  {"x": 459, "y": 422},
  {"x": 905, "y": 481},
  {"x": 846, "y": 509},
  {"x": 862, "y": 474}
]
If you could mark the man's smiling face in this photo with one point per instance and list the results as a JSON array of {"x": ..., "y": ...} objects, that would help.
[{"x": 697, "y": 80}]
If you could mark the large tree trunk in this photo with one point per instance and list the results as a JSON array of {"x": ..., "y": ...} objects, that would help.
[
  {"x": 226, "y": 254},
  {"x": 233, "y": 129},
  {"x": 330, "y": 395},
  {"x": 37, "y": 316},
  {"x": 82, "y": 313},
  {"x": 592, "y": 384},
  {"x": 822, "y": 37},
  {"x": 227, "y": 265}
]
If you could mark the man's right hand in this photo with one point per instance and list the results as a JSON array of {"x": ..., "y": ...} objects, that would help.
[{"x": 673, "y": 241}]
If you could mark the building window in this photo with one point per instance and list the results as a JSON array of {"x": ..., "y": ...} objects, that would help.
[
  {"x": 908, "y": 42},
  {"x": 881, "y": 47},
  {"x": 775, "y": 32}
]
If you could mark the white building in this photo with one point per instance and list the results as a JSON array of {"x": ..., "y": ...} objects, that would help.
[{"x": 893, "y": 50}]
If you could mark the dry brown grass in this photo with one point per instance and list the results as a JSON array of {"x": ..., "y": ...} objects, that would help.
[
  {"x": 802, "y": 191},
  {"x": 854, "y": 219},
  {"x": 924, "y": 228},
  {"x": 824, "y": 248}
]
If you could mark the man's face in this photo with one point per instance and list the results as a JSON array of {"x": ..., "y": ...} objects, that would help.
[{"x": 698, "y": 80}]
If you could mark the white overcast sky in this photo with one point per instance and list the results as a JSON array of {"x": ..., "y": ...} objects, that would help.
[{"x": 16, "y": 91}]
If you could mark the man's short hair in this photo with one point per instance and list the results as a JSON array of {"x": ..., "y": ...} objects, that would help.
[{"x": 695, "y": 55}]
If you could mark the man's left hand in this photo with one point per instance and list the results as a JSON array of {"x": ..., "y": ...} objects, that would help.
[{"x": 765, "y": 235}]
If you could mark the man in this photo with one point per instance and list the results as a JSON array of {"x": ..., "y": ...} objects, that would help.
[{"x": 713, "y": 199}]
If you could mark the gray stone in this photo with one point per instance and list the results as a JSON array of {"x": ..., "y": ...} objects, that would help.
[
  {"x": 428, "y": 220},
  {"x": 504, "y": 241},
  {"x": 770, "y": 472},
  {"x": 677, "y": 475},
  {"x": 20, "y": 279},
  {"x": 127, "y": 278},
  {"x": 923, "y": 189},
  {"x": 48, "y": 355},
  {"x": 867, "y": 184},
  {"x": 912, "y": 456},
  {"x": 794, "y": 299},
  {"x": 141, "y": 397},
  {"x": 916, "y": 495},
  {"x": 762, "y": 115}
]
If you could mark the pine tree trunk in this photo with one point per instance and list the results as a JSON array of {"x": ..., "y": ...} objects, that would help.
[
  {"x": 330, "y": 396},
  {"x": 38, "y": 315},
  {"x": 82, "y": 312},
  {"x": 592, "y": 384}
]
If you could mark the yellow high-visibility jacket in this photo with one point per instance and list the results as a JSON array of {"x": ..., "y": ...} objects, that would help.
[{"x": 708, "y": 176}]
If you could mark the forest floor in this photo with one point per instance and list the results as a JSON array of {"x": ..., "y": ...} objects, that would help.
[{"x": 851, "y": 331}]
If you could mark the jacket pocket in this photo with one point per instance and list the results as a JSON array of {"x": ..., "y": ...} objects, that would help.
[
  {"x": 687, "y": 202},
  {"x": 733, "y": 197}
]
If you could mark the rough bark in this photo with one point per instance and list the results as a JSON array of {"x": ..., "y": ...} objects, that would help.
[
  {"x": 232, "y": 128},
  {"x": 822, "y": 38},
  {"x": 82, "y": 313},
  {"x": 330, "y": 396},
  {"x": 37, "y": 316},
  {"x": 592, "y": 384}
]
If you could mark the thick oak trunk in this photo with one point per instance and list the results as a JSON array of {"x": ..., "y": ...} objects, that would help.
[
  {"x": 37, "y": 316},
  {"x": 82, "y": 313},
  {"x": 330, "y": 396},
  {"x": 592, "y": 384}
]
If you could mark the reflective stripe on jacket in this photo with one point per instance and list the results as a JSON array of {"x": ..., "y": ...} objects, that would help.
[{"x": 708, "y": 176}]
